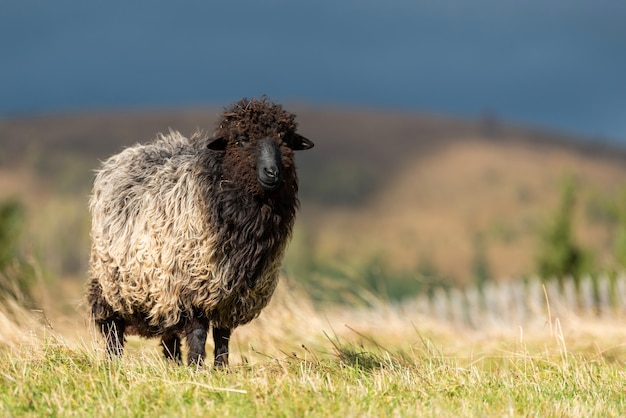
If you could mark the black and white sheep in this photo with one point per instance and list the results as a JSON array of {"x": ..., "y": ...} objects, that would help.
[{"x": 190, "y": 233}]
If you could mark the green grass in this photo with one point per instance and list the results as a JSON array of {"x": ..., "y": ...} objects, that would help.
[{"x": 337, "y": 378}]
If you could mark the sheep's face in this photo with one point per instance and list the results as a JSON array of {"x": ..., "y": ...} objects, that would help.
[{"x": 258, "y": 139}]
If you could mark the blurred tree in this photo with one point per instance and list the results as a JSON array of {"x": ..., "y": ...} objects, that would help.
[
  {"x": 559, "y": 255},
  {"x": 16, "y": 275}
]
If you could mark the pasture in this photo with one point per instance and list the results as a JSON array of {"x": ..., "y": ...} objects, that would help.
[
  {"x": 408, "y": 294},
  {"x": 298, "y": 360}
]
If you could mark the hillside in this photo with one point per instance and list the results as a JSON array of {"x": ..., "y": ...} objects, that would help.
[{"x": 381, "y": 190}]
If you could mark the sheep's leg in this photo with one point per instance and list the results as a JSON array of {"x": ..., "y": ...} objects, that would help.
[
  {"x": 113, "y": 331},
  {"x": 196, "y": 339},
  {"x": 221, "y": 337},
  {"x": 111, "y": 325},
  {"x": 171, "y": 347}
]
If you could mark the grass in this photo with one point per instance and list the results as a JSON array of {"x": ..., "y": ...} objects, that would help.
[
  {"x": 380, "y": 364},
  {"x": 55, "y": 380}
]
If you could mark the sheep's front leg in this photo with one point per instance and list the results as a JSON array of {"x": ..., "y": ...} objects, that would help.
[
  {"x": 196, "y": 339},
  {"x": 221, "y": 337}
]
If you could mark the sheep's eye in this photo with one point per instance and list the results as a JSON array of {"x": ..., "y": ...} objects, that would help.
[{"x": 242, "y": 140}]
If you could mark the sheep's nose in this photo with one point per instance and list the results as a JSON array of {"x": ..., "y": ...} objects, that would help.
[
  {"x": 271, "y": 172},
  {"x": 269, "y": 168},
  {"x": 269, "y": 177}
]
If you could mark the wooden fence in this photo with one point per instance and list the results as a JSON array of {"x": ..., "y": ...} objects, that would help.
[{"x": 520, "y": 302}]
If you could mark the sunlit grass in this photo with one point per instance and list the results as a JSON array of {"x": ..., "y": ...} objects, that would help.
[
  {"x": 342, "y": 379},
  {"x": 297, "y": 360}
]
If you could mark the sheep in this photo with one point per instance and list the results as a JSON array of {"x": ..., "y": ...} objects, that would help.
[{"x": 189, "y": 233}]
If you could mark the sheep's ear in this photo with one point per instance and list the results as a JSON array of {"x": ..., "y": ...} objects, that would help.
[
  {"x": 218, "y": 144},
  {"x": 300, "y": 143}
]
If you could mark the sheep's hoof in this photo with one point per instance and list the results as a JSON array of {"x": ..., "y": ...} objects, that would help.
[
  {"x": 221, "y": 362},
  {"x": 195, "y": 360}
]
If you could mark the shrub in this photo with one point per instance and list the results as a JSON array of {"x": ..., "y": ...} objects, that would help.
[{"x": 560, "y": 256}]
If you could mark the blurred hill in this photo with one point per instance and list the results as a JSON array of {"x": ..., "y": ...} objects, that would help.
[{"x": 401, "y": 191}]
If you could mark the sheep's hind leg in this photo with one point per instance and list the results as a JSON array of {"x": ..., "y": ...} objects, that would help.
[
  {"x": 110, "y": 324},
  {"x": 221, "y": 337},
  {"x": 196, "y": 339},
  {"x": 171, "y": 347},
  {"x": 113, "y": 331}
]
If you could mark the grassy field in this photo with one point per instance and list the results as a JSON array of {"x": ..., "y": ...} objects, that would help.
[
  {"x": 397, "y": 212},
  {"x": 298, "y": 360}
]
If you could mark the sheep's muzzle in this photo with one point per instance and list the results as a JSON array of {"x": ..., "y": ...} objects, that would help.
[{"x": 269, "y": 166}]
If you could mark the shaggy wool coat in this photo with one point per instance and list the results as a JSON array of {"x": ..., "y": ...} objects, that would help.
[{"x": 181, "y": 232}]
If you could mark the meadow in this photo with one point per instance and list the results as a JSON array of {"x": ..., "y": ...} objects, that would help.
[
  {"x": 301, "y": 360},
  {"x": 413, "y": 293}
]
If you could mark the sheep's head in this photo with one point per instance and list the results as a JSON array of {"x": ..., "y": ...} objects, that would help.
[{"x": 258, "y": 138}]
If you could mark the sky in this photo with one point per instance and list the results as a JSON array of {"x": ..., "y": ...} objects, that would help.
[{"x": 559, "y": 65}]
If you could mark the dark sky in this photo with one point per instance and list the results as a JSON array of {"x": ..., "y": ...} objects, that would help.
[{"x": 555, "y": 64}]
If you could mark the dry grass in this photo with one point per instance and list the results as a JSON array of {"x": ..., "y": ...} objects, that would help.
[{"x": 297, "y": 360}]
